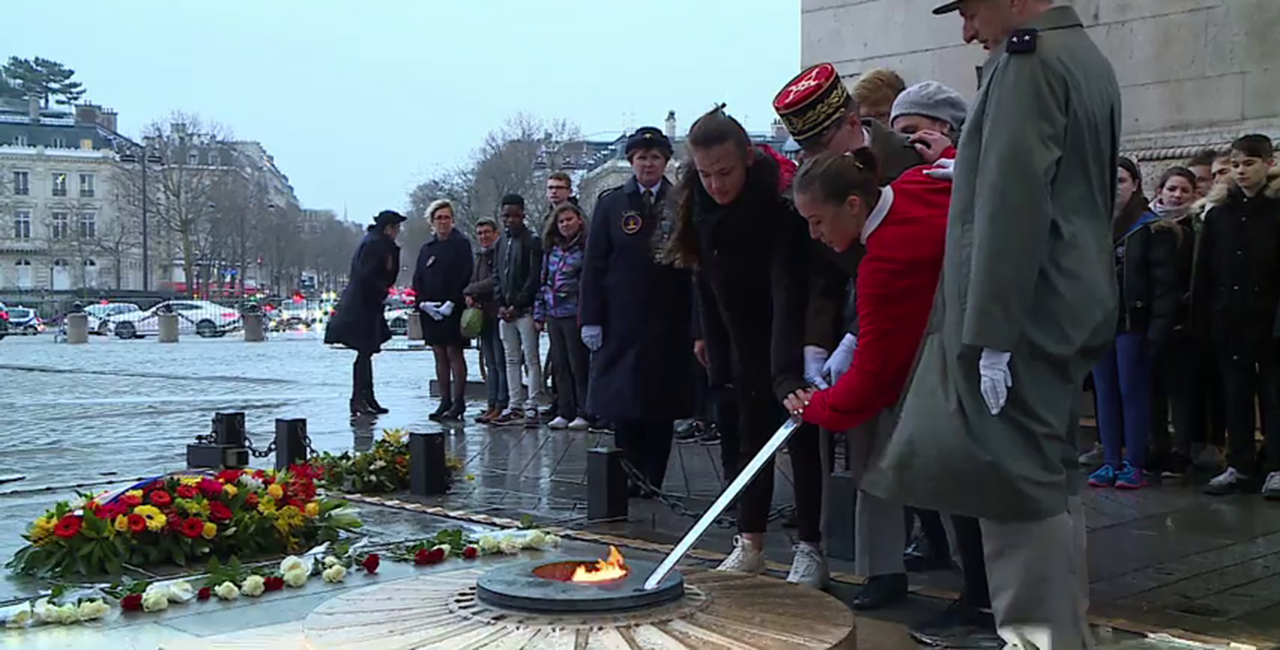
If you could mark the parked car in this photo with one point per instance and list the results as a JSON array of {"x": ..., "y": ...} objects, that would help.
[
  {"x": 205, "y": 319},
  {"x": 100, "y": 315},
  {"x": 24, "y": 321},
  {"x": 398, "y": 321}
]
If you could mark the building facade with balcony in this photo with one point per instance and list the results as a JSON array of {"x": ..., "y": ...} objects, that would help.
[{"x": 61, "y": 226}]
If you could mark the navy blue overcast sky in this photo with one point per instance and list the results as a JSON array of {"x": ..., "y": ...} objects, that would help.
[{"x": 358, "y": 101}]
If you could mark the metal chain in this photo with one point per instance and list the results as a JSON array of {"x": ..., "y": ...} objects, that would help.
[{"x": 675, "y": 505}]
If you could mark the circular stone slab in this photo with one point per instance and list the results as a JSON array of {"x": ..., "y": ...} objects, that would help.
[
  {"x": 720, "y": 610},
  {"x": 518, "y": 586}
]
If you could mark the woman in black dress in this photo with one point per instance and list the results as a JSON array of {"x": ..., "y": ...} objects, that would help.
[
  {"x": 358, "y": 322},
  {"x": 443, "y": 272}
]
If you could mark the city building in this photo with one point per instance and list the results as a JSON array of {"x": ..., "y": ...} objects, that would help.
[
  {"x": 61, "y": 227},
  {"x": 1193, "y": 73}
]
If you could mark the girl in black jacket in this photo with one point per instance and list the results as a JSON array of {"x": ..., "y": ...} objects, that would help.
[
  {"x": 1147, "y": 272},
  {"x": 439, "y": 279},
  {"x": 749, "y": 250}
]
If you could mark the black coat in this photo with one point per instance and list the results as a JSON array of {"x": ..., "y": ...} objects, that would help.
[
  {"x": 643, "y": 370},
  {"x": 358, "y": 322},
  {"x": 1236, "y": 287},
  {"x": 753, "y": 265},
  {"x": 1148, "y": 273},
  {"x": 517, "y": 271},
  {"x": 443, "y": 270}
]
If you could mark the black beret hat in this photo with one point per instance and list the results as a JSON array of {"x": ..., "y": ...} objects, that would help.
[{"x": 388, "y": 217}]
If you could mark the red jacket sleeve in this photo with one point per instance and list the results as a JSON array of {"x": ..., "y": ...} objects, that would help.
[{"x": 895, "y": 289}]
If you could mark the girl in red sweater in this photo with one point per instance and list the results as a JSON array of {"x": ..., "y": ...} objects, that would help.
[{"x": 903, "y": 227}]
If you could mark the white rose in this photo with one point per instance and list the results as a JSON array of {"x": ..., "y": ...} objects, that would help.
[
  {"x": 536, "y": 539},
  {"x": 78, "y": 503},
  {"x": 331, "y": 561},
  {"x": 154, "y": 601},
  {"x": 291, "y": 563},
  {"x": 250, "y": 482},
  {"x": 20, "y": 618},
  {"x": 181, "y": 592},
  {"x": 296, "y": 577},
  {"x": 488, "y": 544},
  {"x": 335, "y": 573},
  {"x": 92, "y": 609},
  {"x": 68, "y": 614},
  {"x": 226, "y": 591},
  {"x": 553, "y": 541},
  {"x": 510, "y": 545},
  {"x": 43, "y": 612},
  {"x": 253, "y": 586}
]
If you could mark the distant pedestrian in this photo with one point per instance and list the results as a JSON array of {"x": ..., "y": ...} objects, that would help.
[
  {"x": 439, "y": 281},
  {"x": 556, "y": 312},
  {"x": 359, "y": 322},
  {"x": 479, "y": 294}
]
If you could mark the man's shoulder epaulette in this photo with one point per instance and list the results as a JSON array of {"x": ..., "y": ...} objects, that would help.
[{"x": 607, "y": 192}]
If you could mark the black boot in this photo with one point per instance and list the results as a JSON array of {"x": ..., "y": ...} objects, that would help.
[
  {"x": 361, "y": 387},
  {"x": 445, "y": 406},
  {"x": 881, "y": 591},
  {"x": 459, "y": 401},
  {"x": 372, "y": 402}
]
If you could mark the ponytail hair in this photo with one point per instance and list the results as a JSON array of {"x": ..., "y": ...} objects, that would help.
[
  {"x": 832, "y": 178},
  {"x": 713, "y": 129}
]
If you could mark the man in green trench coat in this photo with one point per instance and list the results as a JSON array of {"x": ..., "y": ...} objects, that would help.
[{"x": 1026, "y": 306}]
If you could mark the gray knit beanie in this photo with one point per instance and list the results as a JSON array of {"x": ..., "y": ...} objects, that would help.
[{"x": 934, "y": 100}]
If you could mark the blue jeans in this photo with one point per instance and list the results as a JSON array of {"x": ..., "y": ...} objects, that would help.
[
  {"x": 495, "y": 363},
  {"x": 1122, "y": 380}
]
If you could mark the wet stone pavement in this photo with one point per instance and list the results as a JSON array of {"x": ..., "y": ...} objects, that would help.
[{"x": 1160, "y": 558}]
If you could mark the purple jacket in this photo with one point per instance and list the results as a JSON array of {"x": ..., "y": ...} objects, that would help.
[{"x": 561, "y": 276}]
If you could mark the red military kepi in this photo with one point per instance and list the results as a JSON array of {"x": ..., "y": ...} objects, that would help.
[{"x": 904, "y": 238}]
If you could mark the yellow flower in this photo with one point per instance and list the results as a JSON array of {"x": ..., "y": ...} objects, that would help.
[
  {"x": 189, "y": 480},
  {"x": 134, "y": 493},
  {"x": 313, "y": 510},
  {"x": 210, "y": 530},
  {"x": 288, "y": 519},
  {"x": 393, "y": 436},
  {"x": 155, "y": 519},
  {"x": 42, "y": 530},
  {"x": 122, "y": 523},
  {"x": 267, "y": 506},
  {"x": 230, "y": 490},
  {"x": 275, "y": 491}
]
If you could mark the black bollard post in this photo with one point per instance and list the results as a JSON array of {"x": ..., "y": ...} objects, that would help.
[
  {"x": 291, "y": 442},
  {"x": 228, "y": 429},
  {"x": 606, "y": 484},
  {"x": 428, "y": 474}
]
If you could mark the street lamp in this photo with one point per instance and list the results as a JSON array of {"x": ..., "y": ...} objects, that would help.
[{"x": 143, "y": 156}]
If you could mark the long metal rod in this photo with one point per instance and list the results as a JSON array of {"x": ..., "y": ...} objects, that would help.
[{"x": 722, "y": 503}]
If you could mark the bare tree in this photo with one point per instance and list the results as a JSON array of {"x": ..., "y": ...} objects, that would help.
[{"x": 510, "y": 157}]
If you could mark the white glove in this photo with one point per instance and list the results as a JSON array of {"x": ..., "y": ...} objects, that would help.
[
  {"x": 814, "y": 360},
  {"x": 841, "y": 359},
  {"x": 592, "y": 337},
  {"x": 944, "y": 169},
  {"x": 993, "y": 368},
  {"x": 447, "y": 308},
  {"x": 432, "y": 309}
]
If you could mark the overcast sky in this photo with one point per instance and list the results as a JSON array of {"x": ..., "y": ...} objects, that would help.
[{"x": 358, "y": 101}]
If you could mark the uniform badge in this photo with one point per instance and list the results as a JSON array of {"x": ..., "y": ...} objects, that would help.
[
  {"x": 431, "y": 260},
  {"x": 631, "y": 222}
]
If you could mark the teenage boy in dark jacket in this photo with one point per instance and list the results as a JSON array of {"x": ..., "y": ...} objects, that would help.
[{"x": 516, "y": 277}]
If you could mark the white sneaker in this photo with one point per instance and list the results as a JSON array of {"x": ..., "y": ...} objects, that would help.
[
  {"x": 1228, "y": 482},
  {"x": 809, "y": 567},
  {"x": 1092, "y": 458},
  {"x": 1271, "y": 489},
  {"x": 558, "y": 423},
  {"x": 745, "y": 558},
  {"x": 579, "y": 424}
]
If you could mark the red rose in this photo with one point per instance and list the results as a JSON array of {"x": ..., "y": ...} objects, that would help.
[
  {"x": 252, "y": 501},
  {"x": 187, "y": 491},
  {"x": 137, "y": 523},
  {"x": 432, "y": 556},
  {"x": 229, "y": 475},
  {"x": 203, "y": 594},
  {"x": 172, "y": 521},
  {"x": 110, "y": 511},
  {"x": 371, "y": 563},
  {"x": 131, "y": 500},
  {"x": 68, "y": 527},
  {"x": 132, "y": 603},
  {"x": 161, "y": 499},
  {"x": 470, "y": 553},
  {"x": 219, "y": 512},
  {"x": 268, "y": 480},
  {"x": 259, "y": 474},
  {"x": 210, "y": 487},
  {"x": 273, "y": 583},
  {"x": 191, "y": 528}
]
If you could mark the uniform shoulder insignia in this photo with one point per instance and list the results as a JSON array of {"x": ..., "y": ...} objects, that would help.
[
  {"x": 607, "y": 192},
  {"x": 1022, "y": 41}
]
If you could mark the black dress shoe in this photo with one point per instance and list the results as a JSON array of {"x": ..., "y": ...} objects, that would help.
[
  {"x": 438, "y": 414},
  {"x": 881, "y": 591},
  {"x": 961, "y": 626},
  {"x": 373, "y": 404},
  {"x": 360, "y": 407}
]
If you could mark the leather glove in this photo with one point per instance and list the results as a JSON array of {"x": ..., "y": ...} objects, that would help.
[
  {"x": 993, "y": 369},
  {"x": 447, "y": 308},
  {"x": 432, "y": 309},
  {"x": 841, "y": 359},
  {"x": 944, "y": 169},
  {"x": 814, "y": 360},
  {"x": 592, "y": 337}
]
